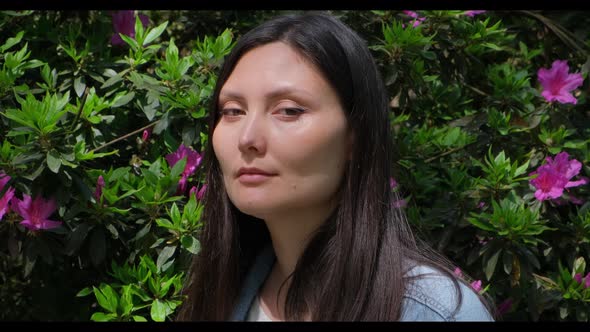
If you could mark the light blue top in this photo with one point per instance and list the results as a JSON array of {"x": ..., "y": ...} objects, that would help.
[{"x": 431, "y": 297}]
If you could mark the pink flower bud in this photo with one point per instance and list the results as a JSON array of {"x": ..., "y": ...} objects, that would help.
[
  {"x": 146, "y": 135},
  {"x": 476, "y": 285}
]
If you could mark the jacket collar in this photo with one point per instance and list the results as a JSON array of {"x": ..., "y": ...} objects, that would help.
[{"x": 255, "y": 277}]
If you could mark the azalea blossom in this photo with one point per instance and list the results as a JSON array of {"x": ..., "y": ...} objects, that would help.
[
  {"x": 8, "y": 195},
  {"x": 558, "y": 83},
  {"x": 200, "y": 193},
  {"x": 35, "y": 212},
  {"x": 193, "y": 160},
  {"x": 99, "y": 186},
  {"x": 472, "y": 13},
  {"x": 417, "y": 18},
  {"x": 476, "y": 285},
  {"x": 396, "y": 203},
  {"x": 146, "y": 135},
  {"x": 124, "y": 22},
  {"x": 554, "y": 176}
]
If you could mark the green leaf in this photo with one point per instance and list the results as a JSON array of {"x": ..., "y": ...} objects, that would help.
[
  {"x": 121, "y": 100},
  {"x": 178, "y": 168},
  {"x": 155, "y": 33},
  {"x": 130, "y": 41},
  {"x": 522, "y": 169},
  {"x": 507, "y": 261},
  {"x": 106, "y": 297},
  {"x": 164, "y": 255},
  {"x": 491, "y": 264},
  {"x": 12, "y": 41},
  {"x": 126, "y": 302},
  {"x": 137, "y": 318},
  {"x": 158, "y": 311},
  {"x": 175, "y": 214},
  {"x": 102, "y": 317},
  {"x": 84, "y": 292},
  {"x": 53, "y": 161},
  {"x": 481, "y": 224},
  {"x": 191, "y": 244},
  {"x": 79, "y": 86}
]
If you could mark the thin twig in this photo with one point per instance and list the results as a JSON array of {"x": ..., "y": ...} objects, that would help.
[
  {"x": 82, "y": 103},
  {"x": 565, "y": 35},
  {"x": 126, "y": 136},
  {"x": 446, "y": 153}
]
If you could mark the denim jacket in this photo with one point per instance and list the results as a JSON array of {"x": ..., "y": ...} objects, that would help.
[{"x": 429, "y": 298}]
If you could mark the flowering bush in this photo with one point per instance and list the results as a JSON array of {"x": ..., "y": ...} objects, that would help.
[{"x": 102, "y": 124}]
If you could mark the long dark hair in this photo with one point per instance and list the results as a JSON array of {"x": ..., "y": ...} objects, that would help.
[{"x": 354, "y": 266}]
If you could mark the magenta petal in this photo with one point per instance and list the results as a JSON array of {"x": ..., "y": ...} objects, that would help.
[
  {"x": 566, "y": 98},
  {"x": 44, "y": 207},
  {"x": 201, "y": 192},
  {"x": 572, "y": 184},
  {"x": 22, "y": 207},
  {"x": 49, "y": 224},
  {"x": 4, "y": 202},
  {"x": 573, "y": 81},
  {"x": 30, "y": 225},
  {"x": 117, "y": 40},
  {"x": 145, "y": 20},
  {"x": 476, "y": 285}
]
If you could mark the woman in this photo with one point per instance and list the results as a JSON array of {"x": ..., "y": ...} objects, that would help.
[{"x": 299, "y": 223}]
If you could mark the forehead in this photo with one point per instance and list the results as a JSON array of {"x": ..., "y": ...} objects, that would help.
[{"x": 274, "y": 65}]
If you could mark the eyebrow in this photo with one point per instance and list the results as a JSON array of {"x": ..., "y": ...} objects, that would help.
[{"x": 281, "y": 91}]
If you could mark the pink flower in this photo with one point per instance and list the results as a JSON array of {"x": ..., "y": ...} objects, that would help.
[
  {"x": 392, "y": 183},
  {"x": 193, "y": 160},
  {"x": 35, "y": 212},
  {"x": 472, "y": 13},
  {"x": 549, "y": 183},
  {"x": 8, "y": 195},
  {"x": 553, "y": 177},
  {"x": 411, "y": 13},
  {"x": 146, "y": 135},
  {"x": 458, "y": 272},
  {"x": 124, "y": 22},
  {"x": 587, "y": 281},
  {"x": 504, "y": 307},
  {"x": 476, "y": 285},
  {"x": 99, "y": 186},
  {"x": 557, "y": 82},
  {"x": 417, "y": 20},
  {"x": 200, "y": 193},
  {"x": 578, "y": 278}
]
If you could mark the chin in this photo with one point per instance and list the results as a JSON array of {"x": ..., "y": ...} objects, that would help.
[{"x": 260, "y": 209}]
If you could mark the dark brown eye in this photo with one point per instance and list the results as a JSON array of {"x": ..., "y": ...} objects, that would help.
[{"x": 291, "y": 111}]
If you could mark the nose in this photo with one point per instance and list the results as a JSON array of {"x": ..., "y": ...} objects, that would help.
[{"x": 252, "y": 136}]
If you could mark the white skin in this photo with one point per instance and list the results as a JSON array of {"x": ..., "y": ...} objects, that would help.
[{"x": 280, "y": 115}]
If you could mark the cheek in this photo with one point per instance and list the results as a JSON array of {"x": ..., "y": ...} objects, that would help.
[
  {"x": 319, "y": 156},
  {"x": 221, "y": 147}
]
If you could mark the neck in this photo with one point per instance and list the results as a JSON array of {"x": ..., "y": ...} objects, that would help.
[{"x": 290, "y": 233}]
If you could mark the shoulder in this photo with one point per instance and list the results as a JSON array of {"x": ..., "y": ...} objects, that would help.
[{"x": 432, "y": 296}]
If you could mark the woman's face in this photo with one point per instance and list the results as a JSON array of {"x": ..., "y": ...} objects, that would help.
[{"x": 282, "y": 139}]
